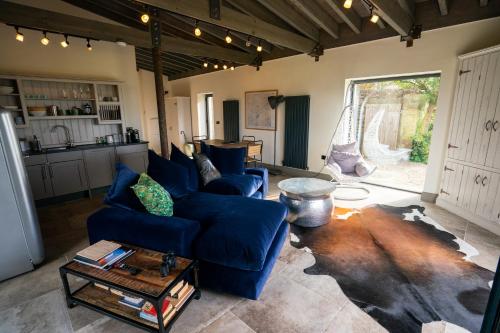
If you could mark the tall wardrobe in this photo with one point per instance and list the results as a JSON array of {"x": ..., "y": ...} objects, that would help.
[{"x": 470, "y": 184}]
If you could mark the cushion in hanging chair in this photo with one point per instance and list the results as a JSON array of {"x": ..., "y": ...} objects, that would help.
[{"x": 346, "y": 161}]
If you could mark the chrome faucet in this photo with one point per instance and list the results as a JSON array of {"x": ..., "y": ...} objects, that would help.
[{"x": 69, "y": 141}]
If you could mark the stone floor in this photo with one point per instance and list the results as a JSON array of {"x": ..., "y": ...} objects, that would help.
[
  {"x": 405, "y": 175},
  {"x": 290, "y": 302}
]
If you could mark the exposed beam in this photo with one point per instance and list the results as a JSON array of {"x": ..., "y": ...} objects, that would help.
[
  {"x": 15, "y": 14},
  {"x": 443, "y": 7},
  {"x": 318, "y": 16},
  {"x": 348, "y": 16},
  {"x": 394, "y": 15},
  {"x": 234, "y": 20},
  {"x": 254, "y": 9},
  {"x": 408, "y": 6},
  {"x": 282, "y": 9}
]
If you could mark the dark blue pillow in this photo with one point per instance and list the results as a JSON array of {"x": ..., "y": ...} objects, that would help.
[
  {"x": 177, "y": 156},
  {"x": 120, "y": 194},
  {"x": 172, "y": 176},
  {"x": 228, "y": 160}
]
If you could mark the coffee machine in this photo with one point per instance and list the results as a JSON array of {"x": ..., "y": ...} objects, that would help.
[{"x": 132, "y": 135}]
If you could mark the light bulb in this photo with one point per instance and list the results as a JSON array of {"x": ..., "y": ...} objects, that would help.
[
  {"x": 19, "y": 36},
  {"x": 65, "y": 42},
  {"x": 224, "y": 66},
  {"x": 374, "y": 18},
  {"x": 347, "y": 4},
  {"x": 205, "y": 64},
  {"x": 145, "y": 18},
  {"x": 228, "y": 38},
  {"x": 197, "y": 32},
  {"x": 216, "y": 66},
  {"x": 259, "y": 48},
  {"x": 45, "y": 41},
  {"x": 89, "y": 47},
  {"x": 232, "y": 68}
]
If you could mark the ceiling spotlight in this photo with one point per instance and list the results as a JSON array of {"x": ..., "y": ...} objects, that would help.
[
  {"x": 224, "y": 66},
  {"x": 89, "y": 47},
  {"x": 248, "y": 42},
  {"x": 347, "y": 4},
  {"x": 45, "y": 41},
  {"x": 197, "y": 30},
  {"x": 65, "y": 42},
  {"x": 259, "y": 47},
  {"x": 228, "y": 38},
  {"x": 232, "y": 68},
  {"x": 205, "y": 64},
  {"x": 19, "y": 36},
  {"x": 216, "y": 66},
  {"x": 374, "y": 18},
  {"x": 145, "y": 18}
]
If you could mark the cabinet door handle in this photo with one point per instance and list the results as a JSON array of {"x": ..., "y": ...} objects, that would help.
[
  {"x": 495, "y": 125},
  {"x": 478, "y": 177},
  {"x": 484, "y": 180},
  {"x": 487, "y": 126},
  {"x": 451, "y": 146},
  {"x": 464, "y": 71},
  {"x": 51, "y": 172},
  {"x": 444, "y": 192},
  {"x": 448, "y": 169}
]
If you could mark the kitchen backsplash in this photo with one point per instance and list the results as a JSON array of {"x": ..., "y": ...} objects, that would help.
[{"x": 83, "y": 131}]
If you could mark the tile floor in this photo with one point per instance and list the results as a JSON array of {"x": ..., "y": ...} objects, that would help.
[{"x": 291, "y": 301}]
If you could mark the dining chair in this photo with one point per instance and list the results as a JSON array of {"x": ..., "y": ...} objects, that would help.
[
  {"x": 197, "y": 139},
  {"x": 254, "y": 152}
]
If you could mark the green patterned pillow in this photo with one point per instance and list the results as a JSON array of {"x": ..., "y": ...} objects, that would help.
[{"x": 153, "y": 196}]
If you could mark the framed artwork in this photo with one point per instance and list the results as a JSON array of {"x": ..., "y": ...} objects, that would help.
[{"x": 258, "y": 113}]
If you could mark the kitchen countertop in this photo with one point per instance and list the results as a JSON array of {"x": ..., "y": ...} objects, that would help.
[{"x": 82, "y": 147}]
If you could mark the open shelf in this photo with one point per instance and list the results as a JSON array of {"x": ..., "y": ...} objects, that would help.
[
  {"x": 93, "y": 116},
  {"x": 61, "y": 99}
]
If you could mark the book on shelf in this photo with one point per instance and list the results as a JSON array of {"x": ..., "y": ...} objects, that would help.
[
  {"x": 133, "y": 302},
  {"x": 98, "y": 250},
  {"x": 149, "y": 313},
  {"x": 106, "y": 260},
  {"x": 175, "y": 289},
  {"x": 179, "y": 302}
]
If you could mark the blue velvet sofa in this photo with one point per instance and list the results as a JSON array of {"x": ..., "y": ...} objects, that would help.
[{"x": 236, "y": 239}]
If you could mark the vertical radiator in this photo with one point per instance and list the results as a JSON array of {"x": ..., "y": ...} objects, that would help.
[
  {"x": 231, "y": 118},
  {"x": 296, "y": 132}
]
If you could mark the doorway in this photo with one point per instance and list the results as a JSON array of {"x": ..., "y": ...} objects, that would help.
[
  {"x": 392, "y": 121},
  {"x": 206, "y": 115}
]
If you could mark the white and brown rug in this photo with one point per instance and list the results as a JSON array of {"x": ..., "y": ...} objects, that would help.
[{"x": 399, "y": 266}]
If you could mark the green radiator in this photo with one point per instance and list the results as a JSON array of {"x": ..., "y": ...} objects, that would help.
[
  {"x": 231, "y": 116},
  {"x": 296, "y": 132}
]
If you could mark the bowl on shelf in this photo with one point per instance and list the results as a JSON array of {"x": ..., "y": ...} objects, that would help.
[
  {"x": 37, "y": 111},
  {"x": 5, "y": 90}
]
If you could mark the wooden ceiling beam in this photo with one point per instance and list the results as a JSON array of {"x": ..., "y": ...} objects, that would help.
[
  {"x": 282, "y": 9},
  {"x": 317, "y": 15},
  {"x": 15, "y": 14},
  {"x": 174, "y": 64},
  {"x": 254, "y": 9},
  {"x": 349, "y": 16},
  {"x": 394, "y": 15},
  {"x": 443, "y": 6},
  {"x": 234, "y": 20}
]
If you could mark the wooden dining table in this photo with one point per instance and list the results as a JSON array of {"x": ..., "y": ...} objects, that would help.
[{"x": 225, "y": 144}]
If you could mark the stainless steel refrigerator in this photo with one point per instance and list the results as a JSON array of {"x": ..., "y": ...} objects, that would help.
[{"x": 21, "y": 245}]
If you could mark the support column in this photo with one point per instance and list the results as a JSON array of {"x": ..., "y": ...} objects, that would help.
[{"x": 158, "y": 73}]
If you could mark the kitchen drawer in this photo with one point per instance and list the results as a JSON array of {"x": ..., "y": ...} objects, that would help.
[
  {"x": 131, "y": 149},
  {"x": 65, "y": 156},
  {"x": 35, "y": 159}
]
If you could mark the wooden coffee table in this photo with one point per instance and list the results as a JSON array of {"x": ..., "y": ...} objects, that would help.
[{"x": 148, "y": 284}]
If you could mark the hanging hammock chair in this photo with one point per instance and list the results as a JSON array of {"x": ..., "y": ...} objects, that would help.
[{"x": 344, "y": 143}]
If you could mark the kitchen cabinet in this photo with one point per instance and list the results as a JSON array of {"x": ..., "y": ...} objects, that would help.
[
  {"x": 68, "y": 177},
  {"x": 134, "y": 156},
  {"x": 39, "y": 179},
  {"x": 100, "y": 166}
]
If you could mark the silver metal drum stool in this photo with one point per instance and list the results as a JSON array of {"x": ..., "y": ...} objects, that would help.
[{"x": 309, "y": 200}]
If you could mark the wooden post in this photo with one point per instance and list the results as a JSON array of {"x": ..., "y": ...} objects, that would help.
[{"x": 158, "y": 73}]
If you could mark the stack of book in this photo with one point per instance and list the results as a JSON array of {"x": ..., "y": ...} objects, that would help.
[
  {"x": 102, "y": 254},
  {"x": 177, "y": 296}
]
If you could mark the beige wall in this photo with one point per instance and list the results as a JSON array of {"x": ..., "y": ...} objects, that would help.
[
  {"x": 107, "y": 61},
  {"x": 325, "y": 82}
]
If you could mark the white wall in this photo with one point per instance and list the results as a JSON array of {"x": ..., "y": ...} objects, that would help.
[
  {"x": 325, "y": 81},
  {"x": 107, "y": 61}
]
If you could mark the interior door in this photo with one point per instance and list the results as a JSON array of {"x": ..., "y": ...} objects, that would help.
[{"x": 68, "y": 177}]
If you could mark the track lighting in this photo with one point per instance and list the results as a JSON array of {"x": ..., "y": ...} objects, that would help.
[
  {"x": 65, "y": 42},
  {"x": 89, "y": 47},
  {"x": 224, "y": 66},
  {"x": 374, "y": 18},
  {"x": 19, "y": 36},
  {"x": 228, "y": 38},
  {"x": 216, "y": 66},
  {"x": 205, "y": 64},
  {"x": 248, "y": 42},
  {"x": 197, "y": 30},
  {"x": 259, "y": 47},
  {"x": 145, "y": 18},
  {"x": 347, "y": 4},
  {"x": 45, "y": 41}
]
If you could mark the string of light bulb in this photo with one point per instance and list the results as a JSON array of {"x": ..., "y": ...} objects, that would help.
[
  {"x": 45, "y": 39},
  {"x": 206, "y": 64},
  {"x": 374, "y": 17}
]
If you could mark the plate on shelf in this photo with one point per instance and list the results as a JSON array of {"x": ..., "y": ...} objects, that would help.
[
  {"x": 10, "y": 107},
  {"x": 5, "y": 90}
]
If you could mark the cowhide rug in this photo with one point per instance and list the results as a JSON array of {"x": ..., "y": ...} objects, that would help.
[{"x": 399, "y": 266}]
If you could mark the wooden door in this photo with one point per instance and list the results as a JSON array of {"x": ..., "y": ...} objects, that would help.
[
  {"x": 493, "y": 150},
  {"x": 450, "y": 183},
  {"x": 68, "y": 177},
  {"x": 100, "y": 165},
  {"x": 489, "y": 190},
  {"x": 484, "y": 112},
  {"x": 39, "y": 179}
]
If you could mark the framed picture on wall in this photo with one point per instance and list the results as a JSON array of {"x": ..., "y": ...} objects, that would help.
[{"x": 258, "y": 113}]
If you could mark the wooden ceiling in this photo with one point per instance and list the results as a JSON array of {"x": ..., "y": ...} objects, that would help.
[{"x": 282, "y": 27}]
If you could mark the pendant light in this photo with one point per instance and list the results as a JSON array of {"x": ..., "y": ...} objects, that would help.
[
  {"x": 89, "y": 47},
  {"x": 259, "y": 47},
  {"x": 205, "y": 64},
  {"x": 19, "y": 35},
  {"x": 347, "y": 4},
  {"x": 374, "y": 17},
  {"x": 228, "y": 38},
  {"x": 145, "y": 18},
  {"x": 45, "y": 41},
  {"x": 65, "y": 42},
  {"x": 216, "y": 66},
  {"x": 197, "y": 30}
]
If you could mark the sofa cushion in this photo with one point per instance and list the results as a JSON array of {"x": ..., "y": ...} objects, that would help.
[
  {"x": 177, "y": 156},
  {"x": 120, "y": 194},
  {"x": 236, "y": 231},
  {"x": 228, "y": 160},
  {"x": 208, "y": 172},
  {"x": 153, "y": 196},
  {"x": 172, "y": 176},
  {"x": 243, "y": 185}
]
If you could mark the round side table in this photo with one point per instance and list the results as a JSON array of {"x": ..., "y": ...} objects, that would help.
[{"x": 309, "y": 200}]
